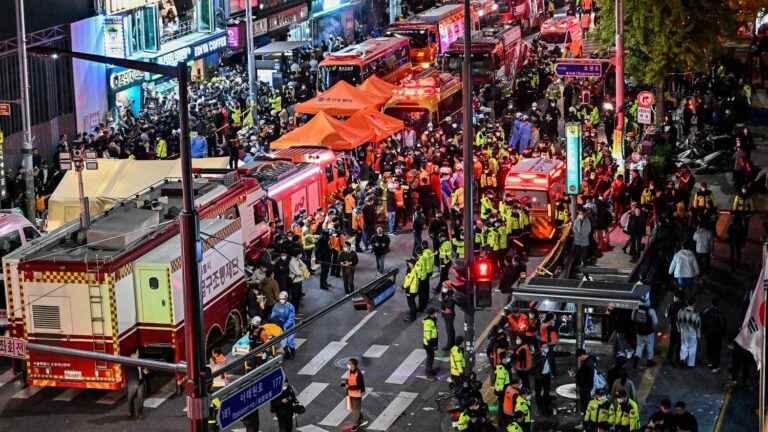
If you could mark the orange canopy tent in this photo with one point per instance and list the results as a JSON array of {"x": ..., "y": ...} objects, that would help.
[
  {"x": 377, "y": 86},
  {"x": 343, "y": 99},
  {"x": 383, "y": 126},
  {"x": 324, "y": 130}
]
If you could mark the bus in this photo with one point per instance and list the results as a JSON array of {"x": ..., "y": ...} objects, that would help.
[
  {"x": 539, "y": 182},
  {"x": 426, "y": 98},
  {"x": 387, "y": 57},
  {"x": 432, "y": 32},
  {"x": 495, "y": 52}
]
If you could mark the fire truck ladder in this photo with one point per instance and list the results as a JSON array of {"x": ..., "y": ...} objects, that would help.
[{"x": 98, "y": 319}]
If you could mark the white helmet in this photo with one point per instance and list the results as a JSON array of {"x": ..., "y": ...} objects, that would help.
[
  {"x": 283, "y": 295},
  {"x": 534, "y": 105},
  {"x": 256, "y": 321}
]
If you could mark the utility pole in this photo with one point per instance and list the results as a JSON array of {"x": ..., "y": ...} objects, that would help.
[
  {"x": 619, "y": 26},
  {"x": 253, "y": 86},
  {"x": 469, "y": 214},
  {"x": 26, "y": 117},
  {"x": 197, "y": 402}
]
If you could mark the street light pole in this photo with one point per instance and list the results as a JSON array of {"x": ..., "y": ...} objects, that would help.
[
  {"x": 619, "y": 26},
  {"x": 469, "y": 236},
  {"x": 26, "y": 117},
  {"x": 253, "y": 89}
]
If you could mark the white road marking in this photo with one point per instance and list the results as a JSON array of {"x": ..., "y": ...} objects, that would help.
[
  {"x": 323, "y": 357},
  {"x": 27, "y": 392},
  {"x": 310, "y": 428},
  {"x": 112, "y": 397},
  {"x": 68, "y": 394},
  {"x": 407, "y": 367},
  {"x": 7, "y": 377},
  {"x": 375, "y": 351},
  {"x": 311, "y": 392},
  {"x": 340, "y": 412},
  {"x": 300, "y": 342},
  {"x": 161, "y": 396},
  {"x": 393, "y": 411},
  {"x": 357, "y": 327}
]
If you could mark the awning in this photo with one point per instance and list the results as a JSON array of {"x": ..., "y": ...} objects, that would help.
[
  {"x": 377, "y": 86},
  {"x": 343, "y": 99},
  {"x": 324, "y": 130},
  {"x": 279, "y": 47},
  {"x": 595, "y": 293},
  {"x": 382, "y": 125}
]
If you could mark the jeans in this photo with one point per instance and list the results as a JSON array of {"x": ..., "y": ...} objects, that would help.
[
  {"x": 391, "y": 221},
  {"x": 689, "y": 343},
  {"x": 380, "y": 263},
  {"x": 685, "y": 283},
  {"x": 645, "y": 342}
]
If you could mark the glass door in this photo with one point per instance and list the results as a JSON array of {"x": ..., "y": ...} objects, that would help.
[
  {"x": 151, "y": 28},
  {"x": 205, "y": 16}
]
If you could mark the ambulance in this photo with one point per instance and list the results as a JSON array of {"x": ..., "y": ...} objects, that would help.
[
  {"x": 563, "y": 32},
  {"x": 539, "y": 183}
]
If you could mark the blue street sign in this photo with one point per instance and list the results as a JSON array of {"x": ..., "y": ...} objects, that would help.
[
  {"x": 573, "y": 158},
  {"x": 579, "y": 69},
  {"x": 250, "y": 397}
]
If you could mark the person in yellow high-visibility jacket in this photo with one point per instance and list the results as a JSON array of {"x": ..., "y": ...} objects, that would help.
[
  {"x": 626, "y": 414},
  {"x": 456, "y": 360},
  {"x": 426, "y": 264},
  {"x": 457, "y": 198},
  {"x": 458, "y": 245},
  {"x": 486, "y": 206},
  {"x": 161, "y": 148},
  {"x": 411, "y": 288}
]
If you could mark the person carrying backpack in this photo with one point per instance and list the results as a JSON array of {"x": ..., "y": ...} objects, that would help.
[{"x": 645, "y": 321}]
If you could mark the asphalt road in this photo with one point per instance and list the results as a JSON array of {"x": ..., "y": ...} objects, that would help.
[{"x": 400, "y": 397}]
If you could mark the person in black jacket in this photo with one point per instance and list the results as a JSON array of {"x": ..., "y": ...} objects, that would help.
[
  {"x": 282, "y": 407},
  {"x": 585, "y": 378},
  {"x": 545, "y": 369},
  {"x": 348, "y": 260},
  {"x": 636, "y": 231},
  {"x": 418, "y": 227},
  {"x": 380, "y": 247},
  {"x": 323, "y": 256}
]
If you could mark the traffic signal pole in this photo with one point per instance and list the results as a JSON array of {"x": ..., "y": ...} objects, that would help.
[
  {"x": 253, "y": 86},
  {"x": 26, "y": 116},
  {"x": 469, "y": 236},
  {"x": 619, "y": 27}
]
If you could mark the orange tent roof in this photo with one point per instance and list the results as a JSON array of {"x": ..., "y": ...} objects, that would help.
[
  {"x": 377, "y": 86},
  {"x": 324, "y": 130},
  {"x": 383, "y": 126},
  {"x": 343, "y": 99}
]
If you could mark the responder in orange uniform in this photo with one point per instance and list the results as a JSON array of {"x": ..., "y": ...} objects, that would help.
[
  {"x": 548, "y": 333},
  {"x": 511, "y": 393},
  {"x": 523, "y": 361},
  {"x": 355, "y": 384}
]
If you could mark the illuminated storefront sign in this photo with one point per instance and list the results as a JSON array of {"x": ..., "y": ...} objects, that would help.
[
  {"x": 114, "y": 37},
  {"x": 190, "y": 53}
]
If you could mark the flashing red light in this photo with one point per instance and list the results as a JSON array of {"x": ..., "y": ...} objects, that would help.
[{"x": 483, "y": 270}]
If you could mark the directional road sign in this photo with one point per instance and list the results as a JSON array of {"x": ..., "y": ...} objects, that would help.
[
  {"x": 580, "y": 69},
  {"x": 250, "y": 397}
]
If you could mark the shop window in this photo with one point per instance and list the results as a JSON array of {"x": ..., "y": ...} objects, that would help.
[
  {"x": 205, "y": 16},
  {"x": 143, "y": 33}
]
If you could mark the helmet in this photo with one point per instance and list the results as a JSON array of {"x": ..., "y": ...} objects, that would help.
[
  {"x": 534, "y": 105},
  {"x": 256, "y": 321},
  {"x": 283, "y": 295}
]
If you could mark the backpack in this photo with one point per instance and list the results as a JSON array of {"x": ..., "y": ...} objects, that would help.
[
  {"x": 643, "y": 320},
  {"x": 598, "y": 381}
]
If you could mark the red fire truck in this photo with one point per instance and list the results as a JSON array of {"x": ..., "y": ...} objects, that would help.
[
  {"x": 563, "y": 32},
  {"x": 495, "y": 52},
  {"x": 540, "y": 182},
  {"x": 528, "y": 13},
  {"x": 432, "y": 32},
  {"x": 427, "y": 98},
  {"x": 116, "y": 288}
]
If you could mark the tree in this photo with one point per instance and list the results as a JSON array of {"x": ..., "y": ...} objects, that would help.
[{"x": 664, "y": 37}]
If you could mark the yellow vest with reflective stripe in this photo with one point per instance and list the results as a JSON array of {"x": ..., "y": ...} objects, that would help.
[
  {"x": 502, "y": 378},
  {"x": 459, "y": 245},
  {"x": 430, "y": 330},
  {"x": 457, "y": 361}
]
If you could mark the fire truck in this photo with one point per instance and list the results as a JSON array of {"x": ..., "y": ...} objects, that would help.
[
  {"x": 528, "y": 13},
  {"x": 432, "y": 32},
  {"x": 334, "y": 166},
  {"x": 538, "y": 182},
  {"x": 487, "y": 12},
  {"x": 116, "y": 287},
  {"x": 426, "y": 98},
  {"x": 495, "y": 52},
  {"x": 563, "y": 32}
]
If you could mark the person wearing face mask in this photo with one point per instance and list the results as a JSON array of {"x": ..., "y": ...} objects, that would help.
[
  {"x": 523, "y": 360},
  {"x": 355, "y": 389},
  {"x": 283, "y": 313},
  {"x": 500, "y": 383},
  {"x": 599, "y": 413},
  {"x": 348, "y": 260},
  {"x": 544, "y": 371},
  {"x": 626, "y": 414},
  {"x": 523, "y": 410},
  {"x": 430, "y": 340}
]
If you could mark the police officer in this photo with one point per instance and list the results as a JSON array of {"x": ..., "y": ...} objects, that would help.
[
  {"x": 458, "y": 244},
  {"x": 500, "y": 383},
  {"x": 523, "y": 410},
  {"x": 411, "y": 288},
  {"x": 599, "y": 413},
  {"x": 626, "y": 414},
  {"x": 430, "y": 340},
  {"x": 741, "y": 203},
  {"x": 448, "y": 311},
  {"x": 425, "y": 263},
  {"x": 445, "y": 253},
  {"x": 457, "y": 362}
]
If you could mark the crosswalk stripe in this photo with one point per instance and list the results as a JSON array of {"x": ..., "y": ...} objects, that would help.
[
  {"x": 323, "y": 357},
  {"x": 340, "y": 412},
  {"x": 394, "y": 410},
  {"x": 112, "y": 397},
  {"x": 7, "y": 377},
  {"x": 407, "y": 367},
  {"x": 310, "y": 428},
  {"x": 300, "y": 342},
  {"x": 27, "y": 392},
  {"x": 358, "y": 326},
  {"x": 311, "y": 392},
  {"x": 375, "y": 351},
  {"x": 161, "y": 396},
  {"x": 68, "y": 394}
]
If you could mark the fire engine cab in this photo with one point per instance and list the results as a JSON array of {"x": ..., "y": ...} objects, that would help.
[
  {"x": 539, "y": 182},
  {"x": 563, "y": 32},
  {"x": 427, "y": 98}
]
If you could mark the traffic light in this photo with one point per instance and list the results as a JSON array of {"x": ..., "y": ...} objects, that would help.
[{"x": 483, "y": 270}]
